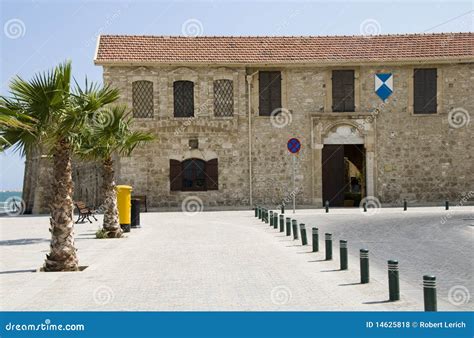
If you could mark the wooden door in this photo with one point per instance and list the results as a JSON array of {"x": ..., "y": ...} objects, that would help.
[{"x": 333, "y": 174}]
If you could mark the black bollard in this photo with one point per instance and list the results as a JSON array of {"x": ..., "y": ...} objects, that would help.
[
  {"x": 393, "y": 280},
  {"x": 315, "y": 240},
  {"x": 365, "y": 207},
  {"x": 364, "y": 266},
  {"x": 327, "y": 206},
  {"x": 283, "y": 208},
  {"x": 405, "y": 205},
  {"x": 328, "y": 238},
  {"x": 263, "y": 214},
  {"x": 282, "y": 223},
  {"x": 343, "y": 254},
  {"x": 304, "y": 239},
  {"x": 429, "y": 293},
  {"x": 275, "y": 220},
  {"x": 294, "y": 226},
  {"x": 446, "y": 205},
  {"x": 259, "y": 213},
  {"x": 288, "y": 226},
  {"x": 271, "y": 218}
]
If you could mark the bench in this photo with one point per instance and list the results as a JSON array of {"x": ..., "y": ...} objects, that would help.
[{"x": 84, "y": 212}]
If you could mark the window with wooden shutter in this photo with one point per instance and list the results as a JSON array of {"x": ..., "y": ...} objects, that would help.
[
  {"x": 425, "y": 91},
  {"x": 175, "y": 175},
  {"x": 212, "y": 175},
  {"x": 343, "y": 90},
  {"x": 269, "y": 86},
  {"x": 223, "y": 98},
  {"x": 142, "y": 99},
  {"x": 194, "y": 175},
  {"x": 183, "y": 97}
]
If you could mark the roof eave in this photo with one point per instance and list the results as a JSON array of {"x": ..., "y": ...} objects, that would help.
[
  {"x": 319, "y": 63},
  {"x": 96, "y": 49}
]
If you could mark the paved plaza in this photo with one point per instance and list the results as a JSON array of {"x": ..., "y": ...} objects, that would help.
[{"x": 229, "y": 260}]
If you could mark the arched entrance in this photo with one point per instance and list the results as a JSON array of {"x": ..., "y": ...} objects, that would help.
[
  {"x": 343, "y": 166},
  {"x": 344, "y": 153}
]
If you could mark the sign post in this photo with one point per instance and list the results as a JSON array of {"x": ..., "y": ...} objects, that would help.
[
  {"x": 294, "y": 183},
  {"x": 294, "y": 146}
]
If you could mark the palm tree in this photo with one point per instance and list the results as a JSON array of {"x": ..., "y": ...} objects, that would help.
[
  {"x": 60, "y": 110},
  {"x": 11, "y": 119},
  {"x": 109, "y": 134}
]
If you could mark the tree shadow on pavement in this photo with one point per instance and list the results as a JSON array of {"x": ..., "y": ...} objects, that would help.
[
  {"x": 16, "y": 271},
  {"x": 23, "y": 241}
]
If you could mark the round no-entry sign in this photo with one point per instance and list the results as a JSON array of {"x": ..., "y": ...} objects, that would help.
[{"x": 293, "y": 145}]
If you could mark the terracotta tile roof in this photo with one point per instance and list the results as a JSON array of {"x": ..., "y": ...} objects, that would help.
[{"x": 282, "y": 50}]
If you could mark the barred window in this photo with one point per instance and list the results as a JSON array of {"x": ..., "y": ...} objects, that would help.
[
  {"x": 223, "y": 98},
  {"x": 183, "y": 95},
  {"x": 142, "y": 99}
]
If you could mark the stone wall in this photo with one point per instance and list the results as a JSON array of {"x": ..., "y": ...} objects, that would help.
[
  {"x": 421, "y": 158},
  {"x": 37, "y": 184},
  {"x": 417, "y": 157}
]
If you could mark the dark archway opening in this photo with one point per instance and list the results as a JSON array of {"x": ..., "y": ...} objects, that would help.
[{"x": 343, "y": 173}]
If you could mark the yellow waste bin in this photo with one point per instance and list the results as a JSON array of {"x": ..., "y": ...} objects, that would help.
[{"x": 124, "y": 205}]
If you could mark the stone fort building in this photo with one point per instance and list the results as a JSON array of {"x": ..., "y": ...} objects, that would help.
[{"x": 384, "y": 117}]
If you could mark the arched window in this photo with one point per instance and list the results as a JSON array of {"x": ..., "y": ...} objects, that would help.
[
  {"x": 223, "y": 98},
  {"x": 193, "y": 175},
  {"x": 142, "y": 99},
  {"x": 183, "y": 97}
]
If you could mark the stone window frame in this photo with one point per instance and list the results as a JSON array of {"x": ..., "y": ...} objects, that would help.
[
  {"x": 151, "y": 76},
  {"x": 328, "y": 92},
  {"x": 215, "y": 99},
  {"x": 182, "y": 108},
  {"x": 184, "y": 74},
  {"x": 152, "y": 100},
  {"x": 439, "y": 89},
  {"x": 256, "y": 90},
  {"x": 225, "y": 74}
]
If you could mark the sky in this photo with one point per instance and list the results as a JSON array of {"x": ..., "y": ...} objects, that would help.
[{"x": 37, "y": 35}]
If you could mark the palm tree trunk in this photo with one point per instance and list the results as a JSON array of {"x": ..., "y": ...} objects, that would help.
[
  {"x": 111, "y": 220},
  {"x": 62, "y": 255}
]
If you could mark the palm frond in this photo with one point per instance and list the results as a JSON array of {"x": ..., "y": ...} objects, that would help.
[{"x": 110, "y": 132}]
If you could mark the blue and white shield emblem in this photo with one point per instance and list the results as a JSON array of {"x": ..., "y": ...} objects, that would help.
[{"x": 384, "y": 85}]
